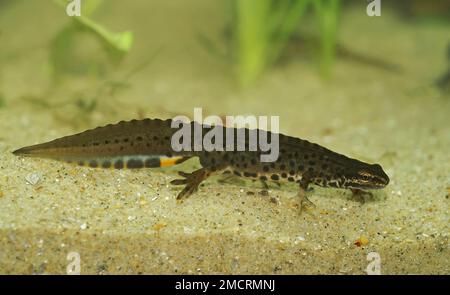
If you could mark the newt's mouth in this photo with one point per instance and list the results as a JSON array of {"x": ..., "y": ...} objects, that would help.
[{"x": 362, "y": 186}]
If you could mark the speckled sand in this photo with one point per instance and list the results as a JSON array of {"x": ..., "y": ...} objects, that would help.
[{"x": 128, "y": 222}]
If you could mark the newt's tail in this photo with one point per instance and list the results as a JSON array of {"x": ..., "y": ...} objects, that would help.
[{"x": 133, "y": 144}]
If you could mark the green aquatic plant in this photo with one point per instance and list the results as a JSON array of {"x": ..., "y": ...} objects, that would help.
[
  {"x": 2, "y": 101},
  {"x": 261, "y": 29},
  {"x": 327, "y": 12},
  {"x": 63, "y": 48}
]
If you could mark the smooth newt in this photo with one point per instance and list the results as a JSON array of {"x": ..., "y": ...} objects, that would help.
[{"x": 147, "y": 143}]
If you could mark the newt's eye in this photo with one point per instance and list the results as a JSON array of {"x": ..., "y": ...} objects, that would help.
[{"x": 364, "y": 174}]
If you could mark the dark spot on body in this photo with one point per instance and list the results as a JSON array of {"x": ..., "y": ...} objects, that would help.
[
  {"x": 250, "y": 174},
  {"x": 106, "y": 164},
  {"x": 284, "y": 175},
  {"x": 118, "y": 164},
  {"x": 237, "y": 173},
  {"x": 291, "y": 179},
  {"x": 274, "y": 177},
  {"x": 135, "y": 164},
  {"x": 181, "y": 160},
  {"x": 152, "y": 162},
  {"x": 93, "y": 164}
]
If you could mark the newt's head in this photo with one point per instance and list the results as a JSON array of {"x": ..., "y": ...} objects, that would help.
[{"x": 367, "y": 176}]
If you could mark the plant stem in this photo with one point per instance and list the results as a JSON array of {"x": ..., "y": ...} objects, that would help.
[
  {"x": 328, "y": 16},
  {"x": 251, "y": 38}
]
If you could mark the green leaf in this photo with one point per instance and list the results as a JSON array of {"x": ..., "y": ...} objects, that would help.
[{"x": 119, "y": 43}]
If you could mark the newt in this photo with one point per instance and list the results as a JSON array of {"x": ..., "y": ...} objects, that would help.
[{"x": 147, "y": 144}]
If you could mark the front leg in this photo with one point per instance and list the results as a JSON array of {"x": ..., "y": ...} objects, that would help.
[{"x": 359, "y": 195}]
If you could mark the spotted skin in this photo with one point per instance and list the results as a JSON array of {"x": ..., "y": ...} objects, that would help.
[{"x": 147, "y": 144}]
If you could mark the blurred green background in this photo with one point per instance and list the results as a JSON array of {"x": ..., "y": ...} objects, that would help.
[{"x": 117, "y": 53}]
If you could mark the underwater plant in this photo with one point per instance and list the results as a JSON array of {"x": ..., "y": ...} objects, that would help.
[
  {"x": 63, "y": 48},
  {"x": 327, "y": 12},
  {"x": 261, "y": 29}
]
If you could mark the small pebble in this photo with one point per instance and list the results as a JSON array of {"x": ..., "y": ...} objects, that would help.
[
  {"x": 33, "y": 178},
  {"x": 83, "y": 226},
  {"x": 159, "y": 226},
  {"x": 361, "y": 241},
  {"x": 299, "y": 239}
]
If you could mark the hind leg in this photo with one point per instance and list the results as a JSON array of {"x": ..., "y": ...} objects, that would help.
[{"x": 191, "y": 181}]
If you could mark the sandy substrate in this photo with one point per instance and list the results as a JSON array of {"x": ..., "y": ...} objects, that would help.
[{"x": 128, "y": 222}]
